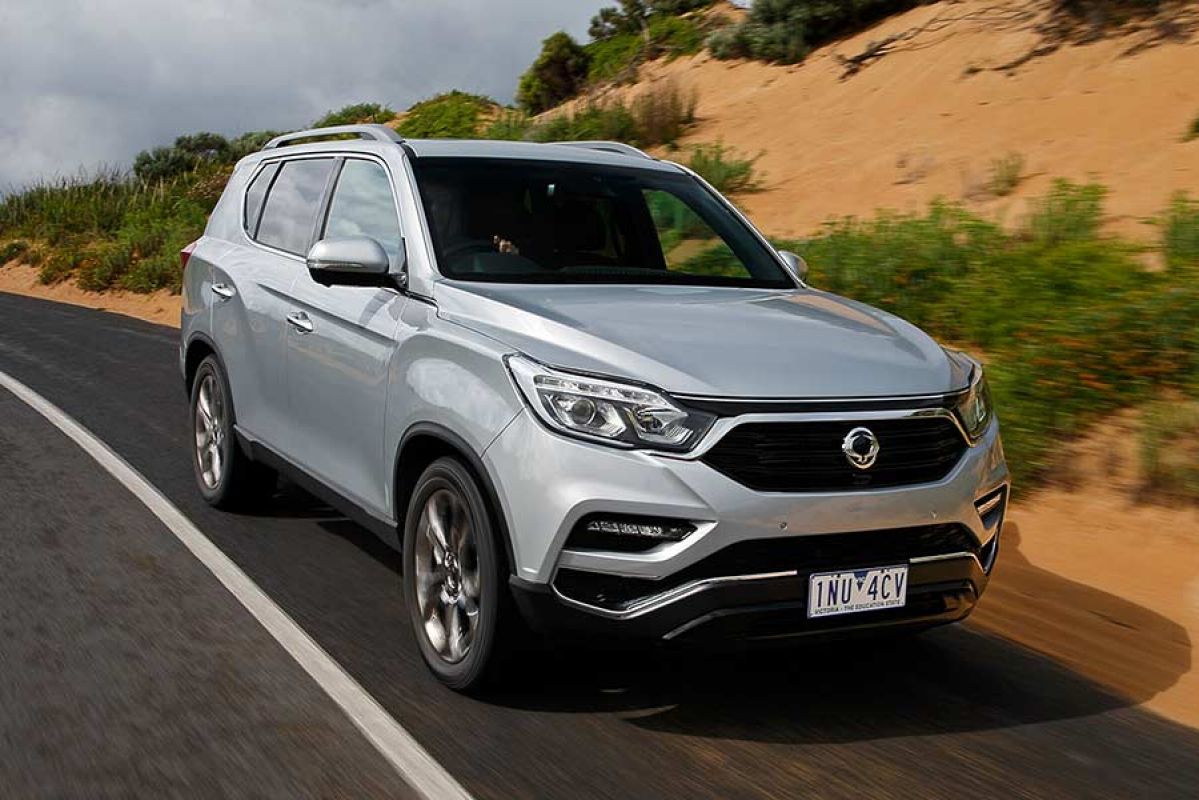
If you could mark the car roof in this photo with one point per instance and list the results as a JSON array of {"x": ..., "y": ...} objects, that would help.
[{"x": 598, "y": 153}]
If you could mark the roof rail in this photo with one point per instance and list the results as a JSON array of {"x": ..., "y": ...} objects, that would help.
[
  {"x": 378, "y": 133},
  {"x": 610, "y": 147}
]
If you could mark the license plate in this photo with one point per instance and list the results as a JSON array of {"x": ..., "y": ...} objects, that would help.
[{"x": 832, "y": 593}]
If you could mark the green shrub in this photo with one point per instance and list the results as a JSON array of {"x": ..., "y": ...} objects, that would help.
[
  {"x": 785, "y": 31},
  {"x": 557, "y": 75},
  {"x": 1006, "y": 174},
  {"x": 614, "y": 57},
  {"x": 633, "y": 16},
  {"x": 510, "y": 124},
  {"x": 15, "y": 249},
  {"x": 661, "y": 113},
  {"x": 657, "y": 116},
  {"x": 1170, "y": 449},
  {"x": 1180, "y": 238},
  {"x": 355, "y": 114},
  {"x": 188, "y": 153},
  {"x": 725, "y": 169},
  {"x": 1192, "y": 132},
  {"x": 452, "y": 115}
]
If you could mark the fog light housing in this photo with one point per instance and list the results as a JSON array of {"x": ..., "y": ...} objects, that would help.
[{"x": 628, "y": 534}]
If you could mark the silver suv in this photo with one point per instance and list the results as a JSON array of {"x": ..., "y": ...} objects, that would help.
[{"x": 582, "y": 394}]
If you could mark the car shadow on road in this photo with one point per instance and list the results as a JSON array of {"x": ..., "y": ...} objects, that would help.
[{"x": 947, "y": 680}]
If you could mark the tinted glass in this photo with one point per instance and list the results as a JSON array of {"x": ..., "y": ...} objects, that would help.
[
  {"x": 363, "y": 205},
  {"x": 291, "y": 206},
  {"x": 545, "y": 222},
  {"x": 255, "y": 194}
]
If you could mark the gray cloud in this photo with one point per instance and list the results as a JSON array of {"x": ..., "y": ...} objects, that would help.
[{"x": 89, "y": 83}]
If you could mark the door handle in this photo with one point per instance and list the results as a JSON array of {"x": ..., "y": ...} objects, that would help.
[
  {"x": 300, "y": 321},
  {"x": 223, "y": 290}
]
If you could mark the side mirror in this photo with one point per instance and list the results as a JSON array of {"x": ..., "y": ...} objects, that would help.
[
  {"x": 796, "y": 264},
  {"x": 356, "y": 261}
]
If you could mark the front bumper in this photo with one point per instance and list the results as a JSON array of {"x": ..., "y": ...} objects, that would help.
[{"x": 691, "y": 589}]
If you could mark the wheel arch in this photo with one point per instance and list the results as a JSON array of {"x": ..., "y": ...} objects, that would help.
[
  {"x": 422, "y": 444},
  {"x": 199, "y": 347}
]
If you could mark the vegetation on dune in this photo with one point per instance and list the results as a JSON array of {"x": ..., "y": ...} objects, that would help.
[
  {"x": 356, "y": 114},
  {"x": 1192, "y": 132},
  {"x": 452, "y": 115},
  {"x": 557, "y": 75},
  {"x": 1072, "y": 325},
  {"x": 1170, "y": 449},
  {"x": 785, "y": 31},
  {"x": 727, "y": 170},
  {"x": 1006, "y": 174},
  {"x": 657, "y": 116}
]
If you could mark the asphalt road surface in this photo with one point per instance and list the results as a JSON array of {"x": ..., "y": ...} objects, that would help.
[{"x": 126, "y": 668}]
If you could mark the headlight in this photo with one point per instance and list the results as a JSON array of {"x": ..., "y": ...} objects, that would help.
[
  {"x": 606, "y": 411},
  {"x": 974, "y": 409}
]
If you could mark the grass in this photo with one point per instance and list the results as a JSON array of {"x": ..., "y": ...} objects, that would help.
[
  {"x": 112, "y": 229},
  {"x": 1072, "y": 325},
  {"x": 616, "y": 57},
  {"x": 1006, "y": 174},
  {"x": 1170, "y": 449}
]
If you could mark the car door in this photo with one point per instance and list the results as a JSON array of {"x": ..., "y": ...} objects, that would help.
[
  {"x": 250, "y": 285},
  {"x": 340, "y": 344}
]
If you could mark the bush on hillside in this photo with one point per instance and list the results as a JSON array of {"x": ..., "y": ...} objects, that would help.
[
  {"x": 725, "y": 169},
  {"x": 452, "y": 115},
  {"x": 785, "y": 31},
  {"x": 557, "y": 75},
  {"x": 633, "y": 16},
  {"x": 657, "y": 116},
  {"x": 356, "y": 114},
  {"x": 188, "y": 153}
]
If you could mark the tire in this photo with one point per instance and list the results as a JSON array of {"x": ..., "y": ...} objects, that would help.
[
  {"x": 456, "y": 595},
  {"x": 225, "y": 475}
]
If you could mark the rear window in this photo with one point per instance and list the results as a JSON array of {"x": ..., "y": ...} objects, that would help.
[{"x": 289, "y": 214}]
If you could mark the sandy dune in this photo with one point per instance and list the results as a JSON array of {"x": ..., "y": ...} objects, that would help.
[{"x": 930, "y": 117}]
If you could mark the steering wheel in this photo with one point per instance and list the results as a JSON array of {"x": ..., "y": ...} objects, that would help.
[{"x": 456, "y": 251}]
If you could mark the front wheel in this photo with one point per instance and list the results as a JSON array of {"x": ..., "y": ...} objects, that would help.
[{"x": 453, "y": 573}]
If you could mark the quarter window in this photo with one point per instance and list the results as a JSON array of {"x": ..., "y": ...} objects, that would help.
[
  {"x": 363, "y": 205},
  {"x": 289, "y": 215},
  {"x": 255, "y": 195}
]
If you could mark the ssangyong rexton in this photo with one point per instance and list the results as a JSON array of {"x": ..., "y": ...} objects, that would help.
[{"x": 578, "y": 390}]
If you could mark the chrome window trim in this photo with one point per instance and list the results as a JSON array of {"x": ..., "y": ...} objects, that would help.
[{"x": 655, "y": 602}]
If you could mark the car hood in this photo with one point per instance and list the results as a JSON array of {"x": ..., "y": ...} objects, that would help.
[{"x": 706, "y": 341}]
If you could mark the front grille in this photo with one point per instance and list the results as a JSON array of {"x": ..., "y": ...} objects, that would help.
[
  {"x": 807, "y": 456},
  {"x": 805, "y": 554}
]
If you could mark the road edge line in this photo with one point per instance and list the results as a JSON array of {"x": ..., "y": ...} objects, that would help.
[{"x": 414, "y": 764}]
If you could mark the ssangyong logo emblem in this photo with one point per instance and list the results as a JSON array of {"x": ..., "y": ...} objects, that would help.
[{"x": 860, "y": 447}]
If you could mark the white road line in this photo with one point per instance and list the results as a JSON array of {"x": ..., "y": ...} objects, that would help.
[{"x": 397, "y": 745}]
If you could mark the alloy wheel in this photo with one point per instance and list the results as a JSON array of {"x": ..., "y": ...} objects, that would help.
[{"x": 447, "y": 575}]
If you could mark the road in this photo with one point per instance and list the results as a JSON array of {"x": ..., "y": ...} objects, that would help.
[{"x": 126, "y": 668}]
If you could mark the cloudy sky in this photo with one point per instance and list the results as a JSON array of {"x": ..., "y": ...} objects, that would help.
[{"x": 90, "y": 82}]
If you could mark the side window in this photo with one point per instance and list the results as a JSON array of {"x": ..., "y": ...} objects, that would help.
[
  {"x": 363, "y": 205},
  {"x": 689, "y": 245},
  {"x": 255, "y": 194},
  {"x": 289, "y": 215}
]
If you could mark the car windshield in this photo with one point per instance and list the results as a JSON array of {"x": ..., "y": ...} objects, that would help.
[{"x": 557, "y": 222}]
